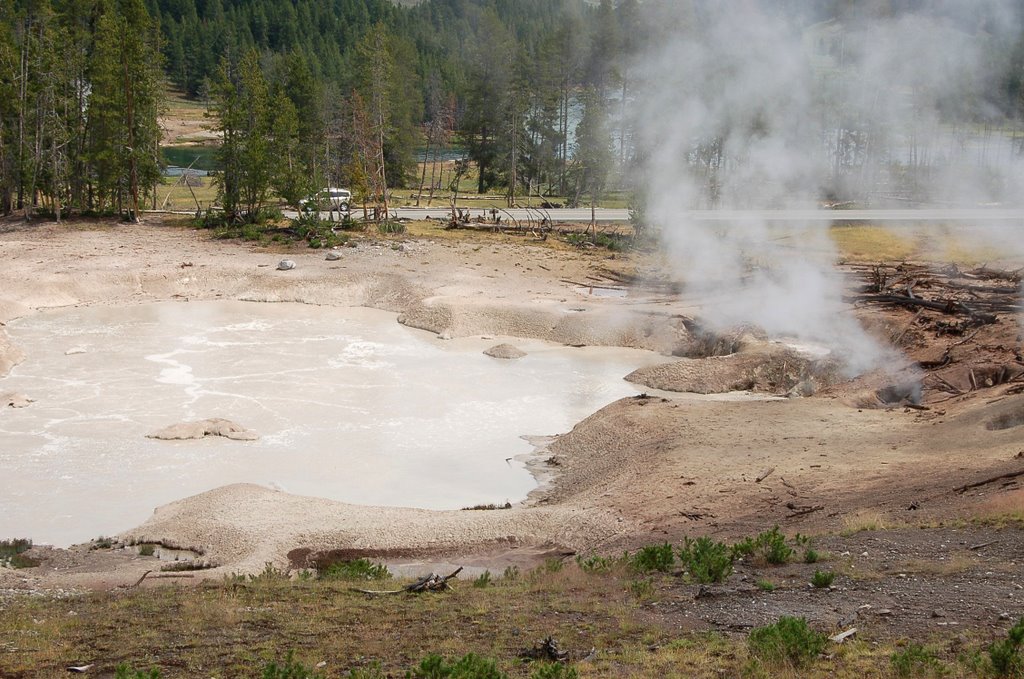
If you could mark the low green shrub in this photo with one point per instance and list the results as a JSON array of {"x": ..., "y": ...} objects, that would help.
[
  {"x": 916, "y": 661},
  {"x": 357, "y": 569},
  {"x": 705, "y": 560},
  {"x": 653, "y": 558},
  {"x": 125, "y": 672},
  {"x": 822, "y": 579},
  {"x": 811, "y": 556},
  {"x": 641, "y": 589},
  {"x": 102, "y": 542},
  {"x": 554, "y": 671},
  {"x": 1005, "y": 654},
  {"x": 594, "y": 563},
  {"x": 391, "y": 227},
  {"x": 483, "y": 580},
  {"x": 12, "y": 553},
  {"x": 290, "y": 669},
  {"x": 147, "y": 549},
  {"x": 788, "y": 640},
  {"x": 770, "y": 546},
  {"x": 511, "y": 573},
  {"x": 765, "y": 585},
  {"x": 469, "y": 666}
]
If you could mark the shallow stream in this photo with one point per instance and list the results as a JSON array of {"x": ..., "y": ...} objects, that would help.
[{"x": 348, "y": 405}]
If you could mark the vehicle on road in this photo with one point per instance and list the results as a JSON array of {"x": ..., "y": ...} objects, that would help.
[{"x": 329, "y": 198}]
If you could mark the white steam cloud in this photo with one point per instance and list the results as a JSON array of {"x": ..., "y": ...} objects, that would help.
[{"x": 745, "y": 106}]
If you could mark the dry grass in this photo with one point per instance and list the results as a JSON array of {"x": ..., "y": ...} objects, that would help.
[
  {"x": 864, "y": 520},
  {"x": 1002, "y": 510},
  {"x": 235, "y": 626},
  {"x": 859, "y": 243}
]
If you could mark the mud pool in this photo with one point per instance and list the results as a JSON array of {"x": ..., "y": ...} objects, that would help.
[{"x": 348, "y": 404}]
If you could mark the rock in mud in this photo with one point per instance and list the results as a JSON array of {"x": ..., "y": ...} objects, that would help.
[
  {"x": 506, "y": 351},
  {"x": 197, "y": 430},
  {"x": 333, "y": 256},
  {"x": 285, "y": 265},
  {"x": 13, "y": 400}
]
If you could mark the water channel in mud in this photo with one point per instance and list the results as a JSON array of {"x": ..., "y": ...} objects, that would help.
[{"x": 348, "y": 405}]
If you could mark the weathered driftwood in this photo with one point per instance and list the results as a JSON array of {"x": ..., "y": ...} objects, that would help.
[
  {"x": 429, "y": 583},
  {"x": 977, "y": 484}
]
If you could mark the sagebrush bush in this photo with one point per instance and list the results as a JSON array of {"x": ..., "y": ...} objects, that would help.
[{"x": 789, "y": 640}]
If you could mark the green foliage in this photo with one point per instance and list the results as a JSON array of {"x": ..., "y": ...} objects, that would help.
[
  {"x": 483, "y": 580},
  {"x": 765, "y": 585},
  {"x": 372, "y": 672},
  {"x": 769, "y": 546},
  {"x": 358, "y": 569},
  {"x": 511, "y": 573},
  {"x": 391, "y": 227},
  {"x": 290, "y": 669},
  {"x": 788, "y": 640},
  {"x": 125, "y": 672},
  {"x": 147, "y": 549},
  {"x": 317, "y": 232},
  {"x": 552, "y": 565},
  {"x": 102, "y": 542},
  {"x": 269, "y": 574},
  {"x": 469, "y": 666},
  {"x": 705, "y": 560},
  {"x": 811, "y": 556},
  {"x": 641, "y": 589},
  {"x": 594, "y": 563},
  {"x": 11, "y": 553},
  {"x": 916, "y": 661},
  {"x": 822, "y": 579},
  {"x": 553, "y": 671},
  {"x": 1005, "y": 654},
  {"x": 653, "y": 558}
]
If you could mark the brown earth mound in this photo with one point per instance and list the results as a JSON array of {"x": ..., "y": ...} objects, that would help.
[
  {"x": 197, "y": 430},
  {"x": 506, "y": 351},
  {"x": 778, "y": 371}
]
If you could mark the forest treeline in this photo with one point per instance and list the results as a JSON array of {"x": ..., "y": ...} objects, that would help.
[{"x": 533, "y": 93}]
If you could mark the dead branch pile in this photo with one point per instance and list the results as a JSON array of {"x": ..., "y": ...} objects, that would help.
[
  {"x": 975, "y": 297},
  {"x": 428, "y": 583}
]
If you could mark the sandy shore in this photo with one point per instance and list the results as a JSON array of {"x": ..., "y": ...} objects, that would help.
[{"x": 639, "y": 468}]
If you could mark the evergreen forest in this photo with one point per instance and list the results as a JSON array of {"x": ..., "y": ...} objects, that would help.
[{"x": 534, "y": 95}]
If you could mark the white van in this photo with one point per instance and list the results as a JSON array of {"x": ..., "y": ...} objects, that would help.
[{"x": 329, "y": 198}]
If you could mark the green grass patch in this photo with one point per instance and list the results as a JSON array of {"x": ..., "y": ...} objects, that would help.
[{"x": 788, "y": 641}]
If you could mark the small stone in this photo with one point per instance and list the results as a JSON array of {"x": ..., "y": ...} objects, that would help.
[
  {"x": 1004, "y": 616},
  {"x": 938, "y": 613},
  {"x": 333, "y": 256},
  {"x": 884, "y": 611},
  {"x": 285, "y": 265}
]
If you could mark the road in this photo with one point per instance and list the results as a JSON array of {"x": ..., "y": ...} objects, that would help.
[{"x": 960, "y": 215}]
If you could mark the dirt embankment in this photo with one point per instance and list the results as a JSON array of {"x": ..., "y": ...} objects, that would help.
[{"x": 641, "y": 468}]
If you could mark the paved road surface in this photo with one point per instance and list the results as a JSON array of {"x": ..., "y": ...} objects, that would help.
[{"x": 969, "y": 215}]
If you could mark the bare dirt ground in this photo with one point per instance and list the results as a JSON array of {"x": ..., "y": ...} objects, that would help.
[{"x": 657, "y": 468}]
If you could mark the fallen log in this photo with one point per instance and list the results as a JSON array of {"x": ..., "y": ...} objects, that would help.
[
  {"x": 977, "y": 484},
  {"x": 429, "y": 583}
]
